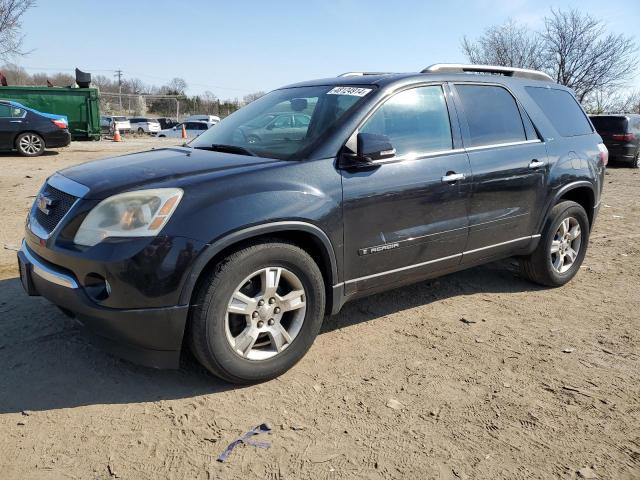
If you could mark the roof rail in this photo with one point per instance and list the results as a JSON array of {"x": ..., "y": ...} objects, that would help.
[
  {"x": 507, "y": 71},
  {"x": 359, "y": 74}
]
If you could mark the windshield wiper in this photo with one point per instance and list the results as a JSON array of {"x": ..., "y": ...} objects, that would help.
[{"x": 217, "y": 147}]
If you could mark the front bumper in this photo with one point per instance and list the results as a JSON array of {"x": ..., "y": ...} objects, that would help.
[{"x": 148, "y": 336}]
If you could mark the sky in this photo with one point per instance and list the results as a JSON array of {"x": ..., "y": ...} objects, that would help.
[{"x": 232, "y": 48}]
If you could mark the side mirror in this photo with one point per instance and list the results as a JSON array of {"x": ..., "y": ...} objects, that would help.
[
  {"x": 370, "y": 147},
  {"x": 374, "y": 147},
  {"x": 269, "y": 127}
]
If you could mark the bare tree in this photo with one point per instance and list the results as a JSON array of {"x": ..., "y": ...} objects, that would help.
[
  {"x": 252, "y": 96},
  {"x": 615, "y": 102},
  {"x": 177, "y": 86},
  {"x": 583, "y": 56},
  {"x": 11, "y": 12},
  {"x": 509, "y": 45},
  {"x": 574, "y": 48}
]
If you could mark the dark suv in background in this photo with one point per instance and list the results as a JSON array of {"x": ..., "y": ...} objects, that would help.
[
  {"x": 621, "y": 135},
  {"x": 240, "y": 248}
]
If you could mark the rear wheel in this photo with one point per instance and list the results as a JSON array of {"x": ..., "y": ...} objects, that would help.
[
  {"x": 30, "y": 144},
  {"x": 635, "y": 163},
  {"x": 257, "y": 313},
  {"x": 140, "y": 131},
  {"x": 562, "y": 247}
]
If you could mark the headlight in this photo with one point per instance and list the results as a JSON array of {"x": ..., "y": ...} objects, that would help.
[{"x": 142, "y": 213}]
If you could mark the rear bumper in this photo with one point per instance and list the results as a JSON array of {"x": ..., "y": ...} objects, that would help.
[
  {"x": 148, "y": 336},
  {"x": 58, "y": 139},
  {"x": 622, "y": 152}
]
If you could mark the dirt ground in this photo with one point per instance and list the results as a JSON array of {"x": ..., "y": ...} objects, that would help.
[{"x": 533, "y": 383}]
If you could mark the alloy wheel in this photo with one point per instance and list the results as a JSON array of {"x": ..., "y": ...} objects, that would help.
[
  {"x": 30, "y": 144},
  {"x": 565, "y": 245},
  {"x": 265, "y": 313}
]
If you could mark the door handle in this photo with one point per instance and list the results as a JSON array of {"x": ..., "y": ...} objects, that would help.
[
  {"x": 451, "y": 177},
  {"x": 535, "y": 163},
  {"x": 15, "y": 121}
]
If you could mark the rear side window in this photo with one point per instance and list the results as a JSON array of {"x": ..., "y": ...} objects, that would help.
[
  {"x": 562, "y": 110},
  {"x": 492, "y": 115},
  {"x": 416, "y": 121}
]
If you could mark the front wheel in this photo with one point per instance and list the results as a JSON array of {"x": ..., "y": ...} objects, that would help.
[
  {"x": 257, "y": 313},
  {"x": 140, "y": 131},
  {"x": 30, "y": 144},
  {"x": 562, "y": 247}
]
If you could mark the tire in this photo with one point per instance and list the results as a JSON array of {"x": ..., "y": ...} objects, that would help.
[
  {"x": 635, "y": 163},
  {"x": 539, "y": 266},
  {"x": 30, "y": 144},
  {"x": 217, "y": 336},
  {"x": 140, "y": 131}
]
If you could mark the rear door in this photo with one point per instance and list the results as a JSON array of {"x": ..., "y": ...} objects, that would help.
[
  {"x": 509, "y": 164},
  {"x": 407, "y": 217}
]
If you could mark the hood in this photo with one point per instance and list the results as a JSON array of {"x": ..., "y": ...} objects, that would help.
[{"x": 170, "y": 167}]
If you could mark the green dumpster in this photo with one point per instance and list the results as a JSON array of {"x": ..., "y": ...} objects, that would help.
[{"x": 80, "y": 105}]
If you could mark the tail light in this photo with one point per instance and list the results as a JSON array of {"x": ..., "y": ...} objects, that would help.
[
  {"x": 59, "y": 123},
  {"x": 604, "y": 154},
  {"x": 624, "y": 137}
]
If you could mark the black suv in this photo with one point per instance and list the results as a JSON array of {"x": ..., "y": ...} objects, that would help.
[
  {"x": 240, "y": 249},
  {"x": 621, "y": 135}
]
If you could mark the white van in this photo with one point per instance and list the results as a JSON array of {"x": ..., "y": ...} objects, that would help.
[{"x": 210, "y": 119}]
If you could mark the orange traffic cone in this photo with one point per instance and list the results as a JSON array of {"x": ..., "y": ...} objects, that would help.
[
  {"x": 116, "y": 135},
  {"x": 184, "y": 131}
]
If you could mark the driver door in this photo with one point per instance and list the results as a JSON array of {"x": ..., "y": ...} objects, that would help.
[{"x": 406, "y": 217}]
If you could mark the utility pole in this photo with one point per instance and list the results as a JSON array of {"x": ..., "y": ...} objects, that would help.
[{"x": 119, "y": 75}]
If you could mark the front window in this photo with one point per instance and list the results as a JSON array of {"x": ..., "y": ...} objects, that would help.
[
  {"x": 284, "y": 122},
  {"x": 416, "y": 121}
]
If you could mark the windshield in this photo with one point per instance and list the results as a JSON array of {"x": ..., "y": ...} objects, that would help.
[{"x": 284, "y": 122}]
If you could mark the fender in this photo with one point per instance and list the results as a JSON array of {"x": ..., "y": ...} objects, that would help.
[
  {"x": 246, "y": 233},
  {"x": 562, "y": 191}
]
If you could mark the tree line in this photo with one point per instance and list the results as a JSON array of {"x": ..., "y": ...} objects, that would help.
[
  {"x": 204, "y": 103},
  {"x": 575, "y": 49}
]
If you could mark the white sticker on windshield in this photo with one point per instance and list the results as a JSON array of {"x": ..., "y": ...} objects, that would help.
[{"x": 353, "y": 91}]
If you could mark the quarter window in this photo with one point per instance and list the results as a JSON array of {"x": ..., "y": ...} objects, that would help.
[
  {"x": 492, "y": 115},
  {"x": 416, "y": 121},
  {"x": 562, "y": 110}
]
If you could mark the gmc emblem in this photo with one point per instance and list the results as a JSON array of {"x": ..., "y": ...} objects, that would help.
[{"x": 44, "y": 203}]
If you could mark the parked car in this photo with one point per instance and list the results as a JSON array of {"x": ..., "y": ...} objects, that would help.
[
  {"x": 277, "y": 127},
  {"x": 193, "y": 130},
  {"x": 144, "y": 125},
  {"x": 166, "y": 122},
  {"x": 621, "y": 135},
  {"x": 210, "y": 119},
  {"x": 122, "y": 124},
  {"x": 29, "y": 131},
  {"x": 239, "y": 249}
]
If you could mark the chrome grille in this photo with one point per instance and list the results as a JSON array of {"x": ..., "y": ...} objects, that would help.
[{"x": 61, "y": 204}]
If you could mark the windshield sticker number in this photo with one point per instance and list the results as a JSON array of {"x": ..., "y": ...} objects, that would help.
[{"x": 353, "y": 91}]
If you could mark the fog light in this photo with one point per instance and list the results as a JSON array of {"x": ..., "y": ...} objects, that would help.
[{"x": 97, "y": 287}]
